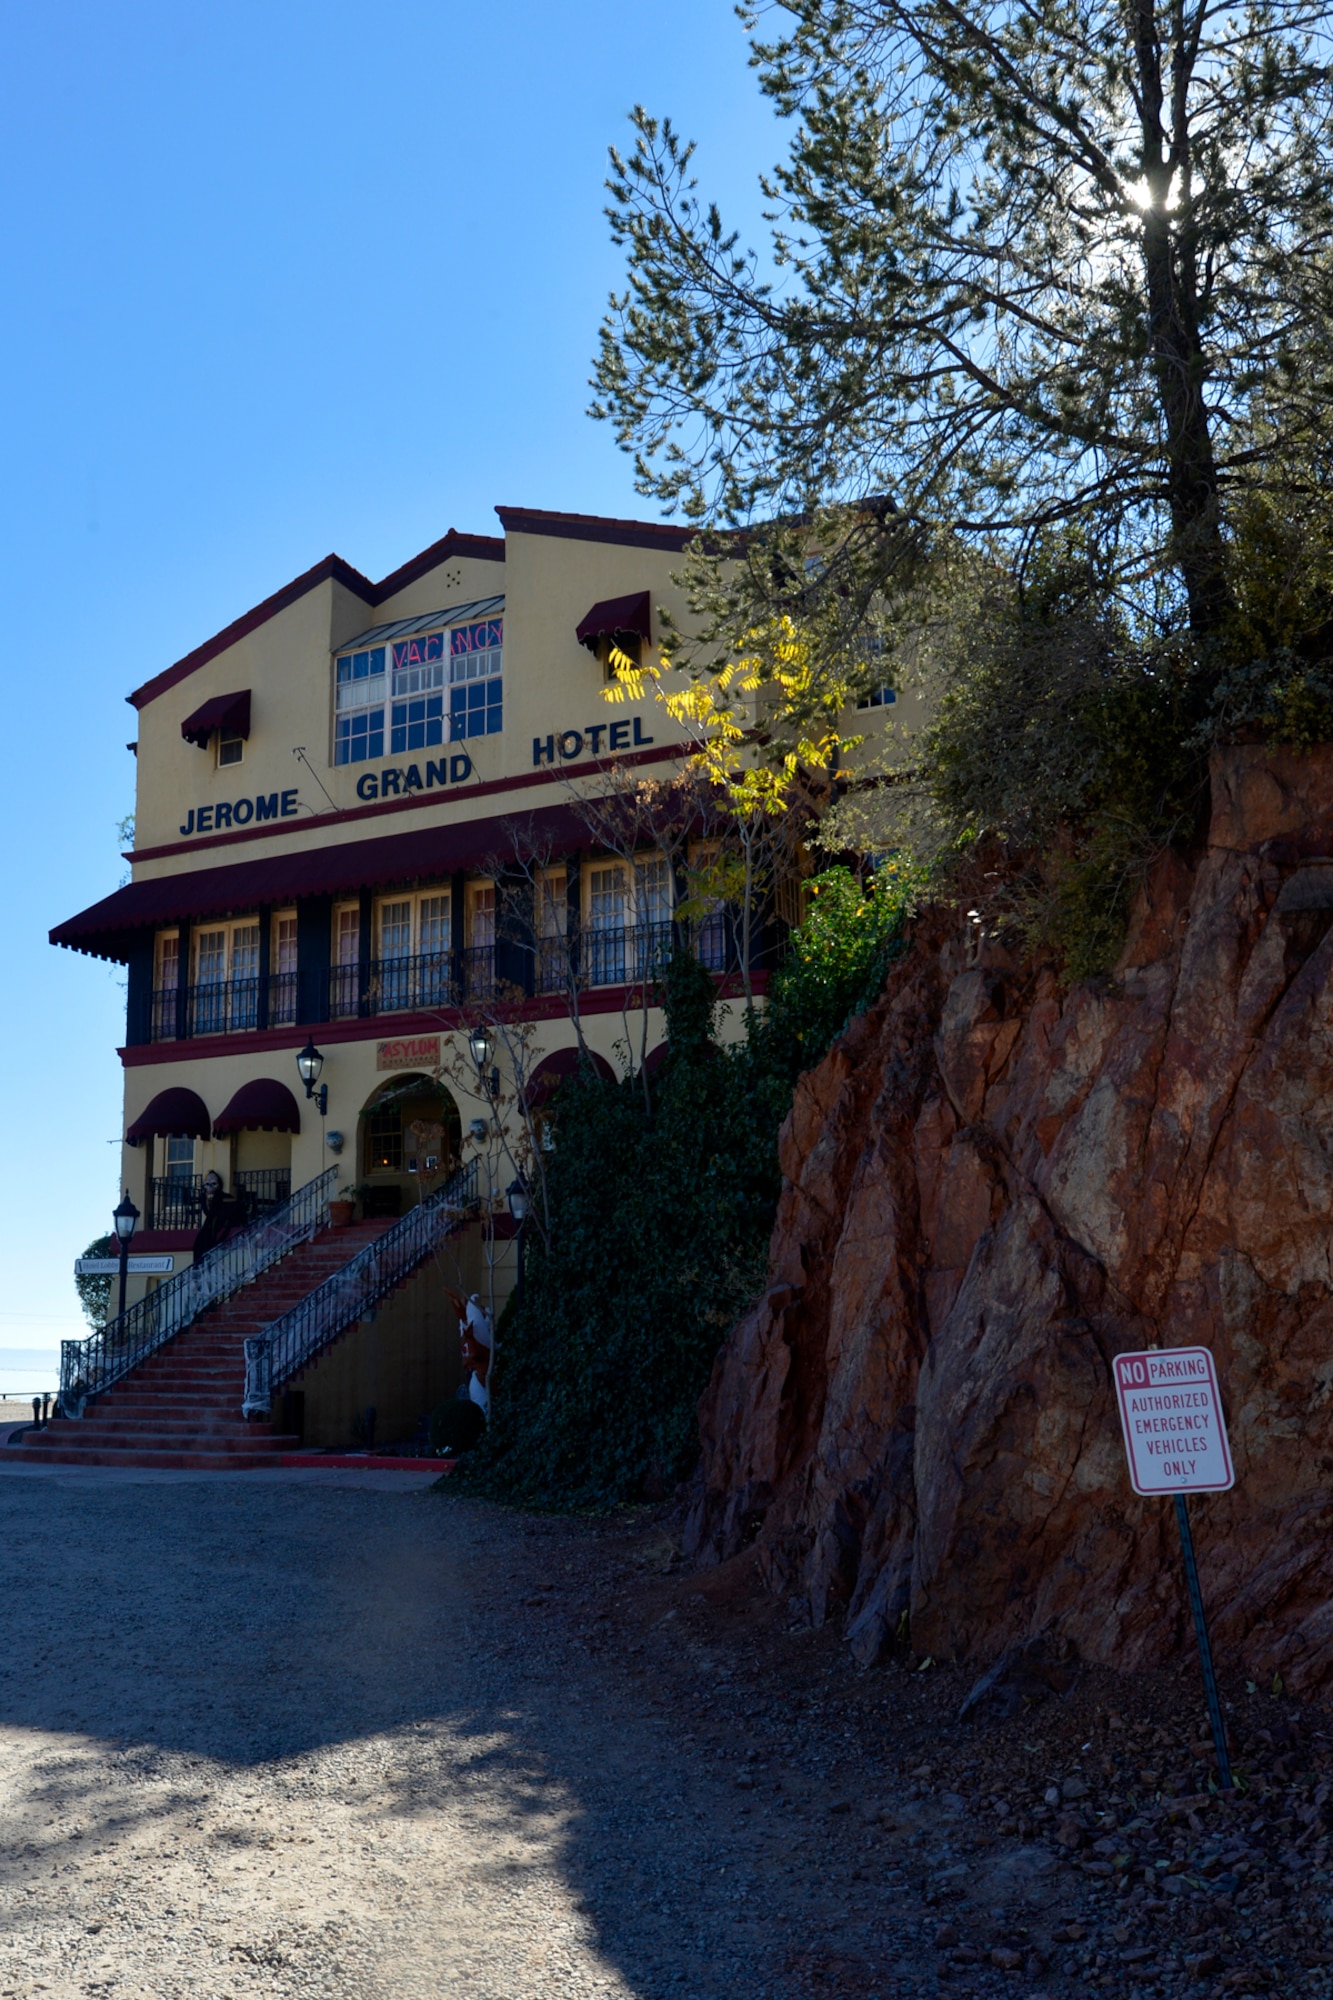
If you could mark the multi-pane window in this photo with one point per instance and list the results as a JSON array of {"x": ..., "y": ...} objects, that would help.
[
  {"x": 417, "y": 721},
  {"x": 168, "y": 974},
  {"x": 880, "y": 697},
  {"x": 226, "y": 951},
  {"x": 231, "y": 748},
  {"x": 396, "y": 929},
  {"x": 481, "y": 915},
  {"x": 711, "y": 930},
  {"x": 384, "y": 1142},
  {"x": 551, "y": 922},
  {"x": 284, "y": 945},
  {"x": 629, "y": 919},
  {"x": 416, "y": 925},
  {"x": 226, "y": 977},
  {"x": 434, "y": 926},
  {"x": 180, "y": 1159},
  {"x": 476, "y": 689},
  {"x": 345, "y": 980},
  {"x": 415, "y": 936},
  {"x": 652, "y": 890},
  {"x": 282, "y": 968},
  {"x": 606, "y": 897},
  {"x": 603, "y": 958},
  {"x": 359, "y": 723},
  {"x": 436, "y": 685}
]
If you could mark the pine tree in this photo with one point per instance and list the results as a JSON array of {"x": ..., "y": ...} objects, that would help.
[{"x": 1034, "y": 264}]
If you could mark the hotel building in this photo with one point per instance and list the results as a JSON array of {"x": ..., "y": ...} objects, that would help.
[{"x": 323, "y": 790}]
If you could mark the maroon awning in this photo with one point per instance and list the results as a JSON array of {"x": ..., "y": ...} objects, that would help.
[
  {"x": 614, "y": 616},
  {"x": 221, "y": 711},
  {"x": 263, "y": 1105},
  {"x": 106, "y": 929},
  {"x": 173, "y": 1114},
  {"x": 555, "y": 1069}
]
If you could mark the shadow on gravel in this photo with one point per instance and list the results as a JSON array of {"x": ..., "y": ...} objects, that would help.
[{"x": 275, "y": 1629}]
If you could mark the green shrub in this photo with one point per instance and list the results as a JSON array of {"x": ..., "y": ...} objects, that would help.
[
  {"x": 834, "y": 964},
  {"x": 661, "y": 1217},
  {"x": 95, "y": 1293}
]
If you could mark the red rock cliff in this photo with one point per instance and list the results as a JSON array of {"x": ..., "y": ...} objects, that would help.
[{"x": 993, "y": 1184}]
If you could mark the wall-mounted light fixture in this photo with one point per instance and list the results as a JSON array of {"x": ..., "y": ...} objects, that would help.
[{"x": 310, "y": 1062}]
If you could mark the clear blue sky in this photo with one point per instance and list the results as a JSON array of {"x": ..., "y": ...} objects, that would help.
[{"x": 280, "y": 279}]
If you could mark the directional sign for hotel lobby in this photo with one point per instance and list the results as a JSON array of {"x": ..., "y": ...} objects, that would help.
[
  {"x": 106, "y": 1267},
  {"x": 1171, "y": 1416}
]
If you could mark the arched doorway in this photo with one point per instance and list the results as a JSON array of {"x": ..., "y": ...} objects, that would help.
[{"x": 407, "y": 1142}]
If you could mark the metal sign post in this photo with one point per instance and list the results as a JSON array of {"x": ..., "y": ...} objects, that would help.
[{"x": 1176, "y": 1442}]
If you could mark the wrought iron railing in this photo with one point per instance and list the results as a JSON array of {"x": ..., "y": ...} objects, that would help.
[
  {"x": 629, "y": 953},
  {"x": 616, "y": 957},
  {"x": 554, "y": 963},
  {"x": 406, "y": 985},
  {"x": 282, "y": 989},
  {"x": 714, "y": 941},
  {"x": 284, "y": 1348},
  {"x": 222, "y": 1006},
  {"x": 587, "y": 957},
  {"x": 264, "y": 1188},
  {"x": 176, "y": 1201},
  {"x": 87, "y": 1367}
]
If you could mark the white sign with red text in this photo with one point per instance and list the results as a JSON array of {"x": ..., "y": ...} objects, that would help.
[{"x": 1171, "y": 1416}]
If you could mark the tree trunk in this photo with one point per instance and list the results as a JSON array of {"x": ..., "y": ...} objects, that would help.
[{"x": 1179, "y": 364}]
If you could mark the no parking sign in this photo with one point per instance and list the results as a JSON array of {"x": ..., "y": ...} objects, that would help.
[{"x": 1171, "y": 1416}]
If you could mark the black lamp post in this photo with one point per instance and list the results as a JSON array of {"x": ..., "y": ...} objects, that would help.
[
  {"x": 520, "y": 1207},
  {"x": 310, "y": 1062},
  {"x": 125, "y": 1216},
  {"x": 483, "y": 1048}
]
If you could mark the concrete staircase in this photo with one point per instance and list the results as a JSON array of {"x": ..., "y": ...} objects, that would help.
[{"x": 180, "y": 1409}]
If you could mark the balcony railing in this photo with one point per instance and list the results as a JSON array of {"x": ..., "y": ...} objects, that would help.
[
  {"x": 176, "y": 1201},
  {"x": 410, "y": 985},
  {"x": 625, "y": 955},
  {"x": 221, "y": 1007}
]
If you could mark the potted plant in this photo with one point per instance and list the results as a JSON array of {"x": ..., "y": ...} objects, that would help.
[{"x": 342, "y": 1208}]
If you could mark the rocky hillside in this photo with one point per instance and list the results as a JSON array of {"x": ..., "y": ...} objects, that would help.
[{"x": 993, "y": 1184}]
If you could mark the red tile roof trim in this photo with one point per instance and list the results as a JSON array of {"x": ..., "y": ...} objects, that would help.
[
  {"x": 490, "y": 548},
  {"x": 596, "y": 528}
]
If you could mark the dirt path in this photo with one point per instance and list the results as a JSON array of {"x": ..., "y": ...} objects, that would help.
[
  {"x": 289, "y": 1737},
  {"x": 267, "y": 1735}
]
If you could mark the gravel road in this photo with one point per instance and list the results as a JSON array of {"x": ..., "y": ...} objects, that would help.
[
  {"x": 349, "y": 1735},
  {"x": 289, "y": 1736}
]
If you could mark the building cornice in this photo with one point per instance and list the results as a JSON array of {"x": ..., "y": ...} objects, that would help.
[{"x": 663, "y": 535}]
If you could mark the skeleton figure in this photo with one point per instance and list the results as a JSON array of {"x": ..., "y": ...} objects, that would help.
[{"x": 475, "y": 1332}]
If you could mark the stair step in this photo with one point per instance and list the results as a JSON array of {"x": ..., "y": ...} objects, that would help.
[
  {"x": 180, "y": 1407},
  {"x": 260, "y": 1438},
  {"x": 146, "y": 1459}
]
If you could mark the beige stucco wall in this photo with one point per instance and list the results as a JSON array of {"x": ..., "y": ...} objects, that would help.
[{"x": 551, "y": 684}]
